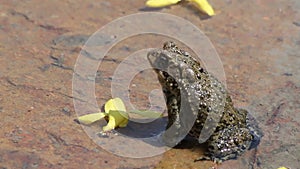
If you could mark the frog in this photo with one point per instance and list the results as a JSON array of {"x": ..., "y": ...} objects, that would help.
[{"x": 199, "y": 105}]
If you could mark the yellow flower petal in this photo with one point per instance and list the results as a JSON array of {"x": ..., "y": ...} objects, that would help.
[
  {"x": 282, "y": 168},
  {"x": 147, "y": 113},
  {"x": 114, "y": 104},
  {"x": 91, "y": 118},
  {"x": 117, "y": 115},
  {"x": 204, "y": 6},
  {"x": 161, "y": 3},
  {"x": 116, "y": 119}
]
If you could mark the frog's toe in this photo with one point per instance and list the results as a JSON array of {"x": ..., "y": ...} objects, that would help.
[
  {"x": 208, "y": 158},
  {"x": 202, "y": 158}
]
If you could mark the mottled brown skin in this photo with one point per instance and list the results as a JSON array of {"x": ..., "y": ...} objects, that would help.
[{"x": 197, "y": 102}]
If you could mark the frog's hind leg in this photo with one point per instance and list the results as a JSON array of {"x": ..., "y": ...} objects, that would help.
[{"x": 229, "y": 143}]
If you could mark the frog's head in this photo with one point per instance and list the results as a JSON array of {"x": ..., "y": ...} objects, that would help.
[
  {"x": 160, "y": 59},
  {"x": 171, "y": 61},
  {"x": 164, "y": 58},
  {"x": 165, "y": 64}
]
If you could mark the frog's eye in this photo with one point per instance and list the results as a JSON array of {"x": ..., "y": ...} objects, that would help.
[{"x": 165, "y": 74}]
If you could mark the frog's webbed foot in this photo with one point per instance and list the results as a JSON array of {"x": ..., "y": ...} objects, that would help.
[
  {"x": 202, "y": 158},
  {"x": 208, "y": 158}
]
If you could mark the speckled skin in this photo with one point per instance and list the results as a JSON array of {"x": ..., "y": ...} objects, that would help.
[{"x": 197, "y": 102}]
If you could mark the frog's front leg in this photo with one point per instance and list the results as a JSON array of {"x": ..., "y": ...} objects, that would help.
[
  {"x": 172, "y": 135},
  {"x": 227, "y": 144}
]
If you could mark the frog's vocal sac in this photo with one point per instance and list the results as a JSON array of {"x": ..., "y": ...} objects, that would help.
[{"x": 197, "y": 102}]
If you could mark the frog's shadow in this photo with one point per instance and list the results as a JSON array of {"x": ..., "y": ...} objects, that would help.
[
  {"x": 150, "y": 132},
  {"x": 138, "y": 129},
  {"x": 195, "y": 10}
]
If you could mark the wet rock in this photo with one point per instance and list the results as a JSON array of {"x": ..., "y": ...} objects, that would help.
[
  {"x": 297, "y": 23},
  {"x": 70, "y": 40},
  {"x": 44, "y": 67},
  {"x": 66, "y": 111},
  {"x": 288, "y": 74}
]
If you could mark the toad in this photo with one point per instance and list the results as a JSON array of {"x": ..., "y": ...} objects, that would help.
[{"x": 200, "y": 106}]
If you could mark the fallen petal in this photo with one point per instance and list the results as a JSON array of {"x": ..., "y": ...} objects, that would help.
[
  {"x": 91, "y": 118},
  {"x": 204, "y": 6},
  {"x": 161, "y": 3},
  {"x": 114, "y": 104},
  {"x": 116, "y": 119}
]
